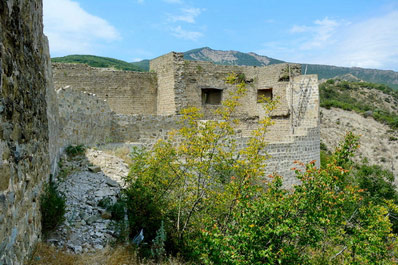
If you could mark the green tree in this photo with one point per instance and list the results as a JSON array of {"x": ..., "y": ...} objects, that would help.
[
  {"x": 322, "y": 221},
  {"x": 202, "y": 177}
]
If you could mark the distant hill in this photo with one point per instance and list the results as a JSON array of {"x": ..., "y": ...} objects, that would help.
[
  {"x": 229, "y": 57},
  {"x": 368, "y": 99},
  {"x": 386, "y": 77},
  {"x": 389, "y": 78},
  {"x": 144, "y": 64},
  {"x": 97, "y": 61}
]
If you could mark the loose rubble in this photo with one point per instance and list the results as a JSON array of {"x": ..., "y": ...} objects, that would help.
[{"x": 87, "y": 226}]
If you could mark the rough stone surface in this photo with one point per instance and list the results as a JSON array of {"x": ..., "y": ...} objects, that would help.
[
  {"x": 126, "y": 92},
  {"x": 294, "y": 136},
  {"x": 378, "y": 142},
  {"x": 95, "y": 106},
  {"x": 24, "y": 133},
  {"x": 88, "y": 227}
]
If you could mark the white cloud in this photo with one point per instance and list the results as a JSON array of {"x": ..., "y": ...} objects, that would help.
[
  {"x": 320, "y": 33},
  {"x": 188, "y": 15},
  {"x": 369, "y": 43},
  {"x": 71, "y": 29},
  {"x": 186, "y": 35},
  {"x": 140, "y": 1}
]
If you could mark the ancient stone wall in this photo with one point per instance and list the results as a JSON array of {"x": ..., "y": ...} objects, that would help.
[
  {"x": 294, "y": 135},
  {"x": 24, "y": 137},
  {"x": 166, "y": 67},
  {"x": 83, "y": 118},
  {"x": 126, "y": 92}
]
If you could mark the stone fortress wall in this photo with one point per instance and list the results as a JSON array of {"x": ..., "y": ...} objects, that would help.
[
  {"x": 25, "y": 78},
  {"x": 180, "y": 83},
  {"x": 126, "y": 92},
  {"x": 84, "y": 105}
]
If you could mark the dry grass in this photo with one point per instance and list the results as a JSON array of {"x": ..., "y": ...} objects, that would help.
[{"x": 45, "y": 254}]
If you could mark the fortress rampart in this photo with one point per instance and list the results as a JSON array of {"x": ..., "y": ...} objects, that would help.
[
  {"x": 25, "y": 78},
  {"x": 174, "y": 84},
  {"x": 85, "y": 105}
]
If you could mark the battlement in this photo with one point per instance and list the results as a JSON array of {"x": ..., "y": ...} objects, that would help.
[{"x": 146, "y": 106}]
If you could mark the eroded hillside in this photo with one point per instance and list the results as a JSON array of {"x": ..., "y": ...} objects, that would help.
[{"x": 369, "y": 110}]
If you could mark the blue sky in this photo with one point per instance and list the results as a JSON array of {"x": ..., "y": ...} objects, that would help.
[{"x": 361, "y": 33}]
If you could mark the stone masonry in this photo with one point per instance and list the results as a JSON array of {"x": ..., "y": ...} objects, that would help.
[
  {"x": 24, "y": 128},
  {"x": 174, "y": 84},
  {"x": 43, "y": 110}
]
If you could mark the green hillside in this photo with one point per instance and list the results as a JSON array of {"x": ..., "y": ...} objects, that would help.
[
  {"x": 97, "y": 61},
  {"x": 386, "y": 77},
  {"x": 144, "y": 64},
  {"x": 368, "y": 99}
]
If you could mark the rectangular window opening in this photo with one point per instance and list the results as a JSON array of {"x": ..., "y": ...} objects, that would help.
[
  {"x": 264, "y": 93},
  {"x": 211, "y": 96}
]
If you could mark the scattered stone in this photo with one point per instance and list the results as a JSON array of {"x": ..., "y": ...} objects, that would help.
[
  {"x": 112, "y": 183},
  {"x": 106, "y": 215},
  {"x": 87, "y": 227},
  {"x": 76, "y": 249},
  {"x": 99, "y": 247},
  {"x": 92, "y": 219},
  {"x": 94, "y": 169}
]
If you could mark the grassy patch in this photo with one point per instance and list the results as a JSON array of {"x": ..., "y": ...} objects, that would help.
[{"x": 45, "y": 254}]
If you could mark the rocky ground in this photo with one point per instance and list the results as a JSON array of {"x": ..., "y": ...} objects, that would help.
[
  {"x": 85, "y": 181},
  {"x": 378, "y": 142}
]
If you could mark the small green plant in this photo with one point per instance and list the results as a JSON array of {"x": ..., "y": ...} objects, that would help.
[
  {"x": 158, "y": 251},
  {"x": 75, "y": 150},
  {"x": 392, "y": 138},
  {"x": 52, "y": 207},
  {"x": 284, "y": 75},
  {"x": 64, "y": 171},
  {"x": 117, "y": 209}
]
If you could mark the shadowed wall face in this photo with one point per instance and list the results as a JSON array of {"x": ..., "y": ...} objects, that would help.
[
  {"x": 24, "y": 142},
  {"x": 125, "y": 92}
]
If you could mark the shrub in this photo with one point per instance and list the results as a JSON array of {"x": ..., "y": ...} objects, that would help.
[
  {"x": 322, "y": 221},
  {"x": 75, "y": 150},
  {"x": 201, "y": 178},
  {"x": 52, "y": 207}
]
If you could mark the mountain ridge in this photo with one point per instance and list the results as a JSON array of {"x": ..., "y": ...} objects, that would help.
[{"x": 231, "y": 57}]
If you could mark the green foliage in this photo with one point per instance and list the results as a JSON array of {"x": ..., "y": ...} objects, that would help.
[
  {"x": 338, "y": 95},
  {"x": 52, "y": 207},
  {"x": 144, "y": 65},
  {"x": 322, "y": 221},
  {"x": 158, "y": 251},
  {"x": 116, "y": 209},
  {"x": 75, "y": 150},
  {"x": 216, "y": 207},
  {"x": 186, "y": 184},
  {"x": 97, "y": 61}
]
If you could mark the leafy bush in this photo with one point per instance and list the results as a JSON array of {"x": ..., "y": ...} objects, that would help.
[
  {"x": 322, "y": 221},
  {"x": 199, "y": 179},
  {"x": 211, "y": 201},
  {"x": 52, "y": 207},
  {"x": 158, "y": 251},
  {"x": 75, "y": 150}
]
